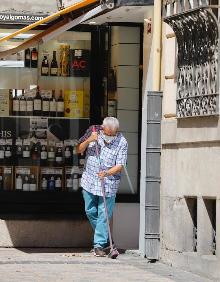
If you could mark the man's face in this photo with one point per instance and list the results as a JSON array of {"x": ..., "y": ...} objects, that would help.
[{"x": 108, "y": 131}]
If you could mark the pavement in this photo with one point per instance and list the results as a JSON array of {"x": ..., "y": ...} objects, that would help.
[{"x": 51, "y": 265}]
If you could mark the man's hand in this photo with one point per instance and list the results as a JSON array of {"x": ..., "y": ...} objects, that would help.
[
  {"x": 93, "y": 137},
  {"x": 102, "y": 174}
]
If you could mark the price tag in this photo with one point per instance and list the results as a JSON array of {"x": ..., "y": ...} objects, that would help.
[
  {"x": 27, "y": 142},
  {"x": 18, "y": 142},
  {"x": 9, "y": 142}
]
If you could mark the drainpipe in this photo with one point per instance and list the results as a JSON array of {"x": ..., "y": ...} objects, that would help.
[
  {"x": 149, "y": 240},
  {"x": 157, "y": 45}
]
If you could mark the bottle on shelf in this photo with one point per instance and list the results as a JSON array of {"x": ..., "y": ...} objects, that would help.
[
  {"x": 58, "y": 184},
  {"x": 44, "y": 184},
  {"x": 75, "y": 182},
  {"x": 26, "y": 152},
  {"x": 35, "y": 152},
  {"x": 23, "y": 105},
  {"x": 43, "y": 155},
  {"x": 19, "y": 183},
  {"x": 30, "y": 106},
  {"x": 75, "y": 155},
  {"x": 1, "y": 183},
  {"x": 15, "y": 104},
  {"x": 27, "y": 59},
  {"x": 60, "y": 105},
  {"x": 8, "y": 153},
  {"x": 18, "y": 149},
  {"x": 59, "y": 156},
  {"x": 64, "y": 60},
  {"x": 26, "y": 183},
  {"x": 53, "y": 105},
  {"x": 51, "y": 184},
  {"x": 2, "y": 151},
  {"x": 54, "y": 65},
  {"x": 10, "y": 102},
  {"x": 45, "y": 67},
  {"x": 37, "y": 103},
  {"x": 68, "y": 155},
  {"x": 51, "y": 155},
  {"x": 34, "y": 58},
  {"x": 69, "y": 183},
  {"x": 33, "y": 183},
  {"x": 45, "y": 106}
]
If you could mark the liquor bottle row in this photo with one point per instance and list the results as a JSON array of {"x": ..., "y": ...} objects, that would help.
[
  {"x": 72, "y": 62},
  {"x": 31, "y": 58},
  {"x": 49, "y": 179},
  {"x": 39, "y": 151},
  {"x": 37, "y": 103}
]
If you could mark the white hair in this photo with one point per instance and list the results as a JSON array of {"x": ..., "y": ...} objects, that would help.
[{"x": 111, "y": 122}]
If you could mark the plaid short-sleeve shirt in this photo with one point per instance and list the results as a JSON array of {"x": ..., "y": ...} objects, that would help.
[{"x": 114, "y": 153}]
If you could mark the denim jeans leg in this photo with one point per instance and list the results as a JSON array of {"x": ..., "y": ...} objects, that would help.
[
  {"x": 101, "y": 237},
  {"x": 91, "y": 207}
]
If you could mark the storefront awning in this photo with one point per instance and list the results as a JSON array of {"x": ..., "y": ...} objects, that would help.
[{"x": 83, "y": 11}]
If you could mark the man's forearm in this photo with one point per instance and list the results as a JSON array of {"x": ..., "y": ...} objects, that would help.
[
  {"x": 114, "y": 170},
  {"x": 82, "y": 147}
]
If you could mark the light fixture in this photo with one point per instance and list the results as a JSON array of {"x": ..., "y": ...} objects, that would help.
[
  {"x": 19, "y": 36},
  {"x": 92, "y": 23}
]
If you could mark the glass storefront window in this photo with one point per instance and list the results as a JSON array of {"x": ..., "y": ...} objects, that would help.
[{"x": 44, "y": 109}]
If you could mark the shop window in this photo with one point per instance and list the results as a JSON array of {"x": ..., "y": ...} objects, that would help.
[{"x": 44, "y": 109}]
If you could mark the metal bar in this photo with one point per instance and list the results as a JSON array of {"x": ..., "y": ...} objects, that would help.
[
  {"x": 72, "y": 8},
  {"x": 73, "y": 23}
]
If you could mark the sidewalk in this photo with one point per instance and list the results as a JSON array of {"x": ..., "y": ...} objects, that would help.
[{"x": 39, "y": 265}]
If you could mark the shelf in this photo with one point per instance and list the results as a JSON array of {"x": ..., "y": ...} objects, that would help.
[{"x": 64, "y": 118}]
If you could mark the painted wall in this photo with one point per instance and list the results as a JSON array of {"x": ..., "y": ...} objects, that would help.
[{"x": 190, "y": 165}]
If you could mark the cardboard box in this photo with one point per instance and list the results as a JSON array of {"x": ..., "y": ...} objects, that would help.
[
  {"x": 21, "y": 172},
  {"x": 76, "y": 103}
]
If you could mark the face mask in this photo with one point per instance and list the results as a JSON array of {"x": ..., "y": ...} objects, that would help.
[{"x": 107, "y": 138}]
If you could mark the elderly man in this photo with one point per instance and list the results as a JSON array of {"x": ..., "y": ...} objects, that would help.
[{"x": 112, "y": 148}]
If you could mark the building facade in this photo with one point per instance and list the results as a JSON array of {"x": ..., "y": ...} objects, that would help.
[{"x": 190, "y": 137}]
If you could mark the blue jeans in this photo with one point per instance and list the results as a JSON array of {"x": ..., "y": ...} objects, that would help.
[{"x": 94, "y": 208}]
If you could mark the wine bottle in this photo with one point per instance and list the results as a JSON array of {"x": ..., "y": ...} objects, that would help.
[
  {"x": 75, "y": 182},
  {"x": 53, "y": 105},
  {"x": 30, "y": 106},
  {"x": 19, "y": 183},
  {"x": 15, "y": 104},
  {"x": 23, "y": 105},
  {"x": 54, "y": 65},
  {"x": 43, "y": 155},
  {"x": 34, "y": 58},
  {"x": 58, "y": 184},
  {"x": 33, "y": 183},
  {"x": 68, "y": 155},
  {"x": 1, "y": 183},
  {"x": 27, "y": 60},
  {"x": 60, "y": 105},
  {"x": 45, "y": 67},
  {"x": 35, "y": 152},
  {"x": 51, "y": 155},
  {"x": 26, "y": 152},
  {"x": 37, "y": 103},
  {"x": 51, "y": 184},
  {"x": 44, "y": 184},
  {"x": 59, "y": 156},
  {"x": 45, "y": 106},
  {"x": 2, "y": 151},
  {"x": 69, "y": 183},
  {"x": 26, "y": 184},
  {"x": 18, "y": 149}
]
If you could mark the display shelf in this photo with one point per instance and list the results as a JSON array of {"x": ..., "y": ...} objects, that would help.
[{"x": 62, "y": 118}]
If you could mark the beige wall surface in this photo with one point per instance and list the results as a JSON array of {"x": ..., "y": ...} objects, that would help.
[{"x": 190, "y": 163}]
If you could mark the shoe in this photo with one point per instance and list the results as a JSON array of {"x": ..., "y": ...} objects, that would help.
[
  {"x": 108, "y": 247},
  {"x": 98, "y": 252}
]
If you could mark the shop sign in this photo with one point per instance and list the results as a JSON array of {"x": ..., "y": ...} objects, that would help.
[
  {"x": 79, "y": 63},
  {"x": 10, "y": 18}
]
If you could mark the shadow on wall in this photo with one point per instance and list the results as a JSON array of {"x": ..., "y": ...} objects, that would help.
[
  {"x": 45, "y": 233},
  {"x": 198, "y": 122}
]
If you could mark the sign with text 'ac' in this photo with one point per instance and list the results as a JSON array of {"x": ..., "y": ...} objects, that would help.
[{"x": 67, "y": 3}]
